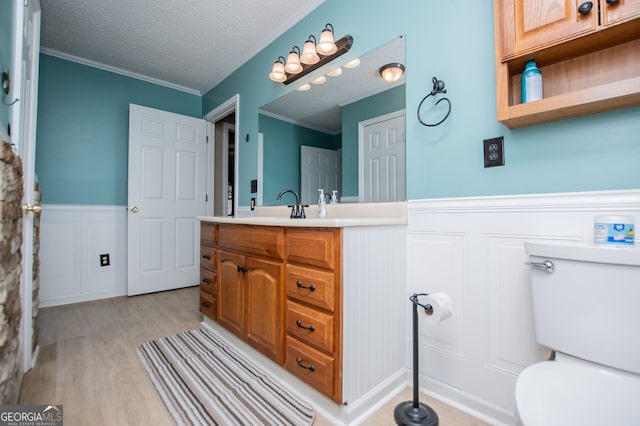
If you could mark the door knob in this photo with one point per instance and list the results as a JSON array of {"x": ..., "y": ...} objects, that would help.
[
  {"x": 134, "y": 209},
  {"x": 28, "y": 208}
]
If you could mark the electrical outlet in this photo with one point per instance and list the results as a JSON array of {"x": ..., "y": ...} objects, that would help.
[
  {"x": 494, "y": 152},
  {"x": 104, "y": 260}
]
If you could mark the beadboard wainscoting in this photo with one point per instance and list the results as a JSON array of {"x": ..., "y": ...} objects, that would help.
[
  {"x": 72, "y": 239},
  {"x": 472, "y": 249}
]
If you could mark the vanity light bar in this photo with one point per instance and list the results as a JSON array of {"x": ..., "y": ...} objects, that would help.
[{"x": 343, "y": 45}]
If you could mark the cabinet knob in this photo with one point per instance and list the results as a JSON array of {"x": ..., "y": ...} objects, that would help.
[
  {"x": 134, "y": 209},
  {"x": 585, "y": 8},
  {"x": 310, "y": 367},
  {"x": 242, "y": 269},
  {"x": 308, "y": 287},
  {"x": 612, "y": 2}
]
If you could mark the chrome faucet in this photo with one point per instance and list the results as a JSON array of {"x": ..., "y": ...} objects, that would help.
[{"x": 297, "y": 209}]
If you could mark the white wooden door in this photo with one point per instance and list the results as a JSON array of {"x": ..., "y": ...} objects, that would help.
[
  {"x": 24, "y": 136},
  {"x": 167, "y": 170},
  {"x": 319, "y": 168},
  {"x": 382, "y": 158}
]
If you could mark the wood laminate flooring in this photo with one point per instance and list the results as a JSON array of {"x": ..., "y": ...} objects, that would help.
[{"x": 87, "y": 361}]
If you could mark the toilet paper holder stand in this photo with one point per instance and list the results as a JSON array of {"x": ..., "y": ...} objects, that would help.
[{"x": 414, "y": 412}]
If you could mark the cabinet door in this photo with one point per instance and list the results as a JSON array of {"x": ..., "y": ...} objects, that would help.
[
  {"x": 231, "y": 292},
  {"x": 264, "y": 317},
  {"x": 623, "y": 10},
  {"x": 531, "y": 25}
]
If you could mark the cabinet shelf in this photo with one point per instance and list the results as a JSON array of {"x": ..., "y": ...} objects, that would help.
[{"x": 605, "y": 97}]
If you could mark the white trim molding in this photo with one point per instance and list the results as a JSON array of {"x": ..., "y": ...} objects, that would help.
[{"x": 115, "y": 70}]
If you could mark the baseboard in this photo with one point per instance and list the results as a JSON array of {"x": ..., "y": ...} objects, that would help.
[
  {"x": 456, "y": 398},
  {"x": 87, "y": 297}
]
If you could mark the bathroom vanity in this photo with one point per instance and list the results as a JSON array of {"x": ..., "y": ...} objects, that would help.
[{"x": 323, "y": 298}]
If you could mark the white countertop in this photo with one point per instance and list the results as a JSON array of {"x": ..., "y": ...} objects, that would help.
[{"x": 338, "y": 216}]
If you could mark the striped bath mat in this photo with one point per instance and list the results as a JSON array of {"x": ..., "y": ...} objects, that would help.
[{"x": 204, "y": 381}]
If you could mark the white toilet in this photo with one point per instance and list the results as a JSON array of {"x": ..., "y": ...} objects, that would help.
[{"x": 586, "y": 304}]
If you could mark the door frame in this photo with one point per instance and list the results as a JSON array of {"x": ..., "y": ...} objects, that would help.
[
  {"x": 361, "y": 126},
  {"x": 230, "y": 105}
]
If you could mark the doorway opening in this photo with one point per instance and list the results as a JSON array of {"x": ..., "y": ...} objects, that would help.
[{"x": 224, "y": 157}]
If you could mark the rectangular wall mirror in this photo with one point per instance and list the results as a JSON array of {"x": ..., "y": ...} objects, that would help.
[{"x": 346, "y": 133}]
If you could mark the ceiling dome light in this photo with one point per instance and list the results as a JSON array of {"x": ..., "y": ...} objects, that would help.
[
  {"x": 352, "y": 64},
  {"x": 304, "y": 88},
  {"x": 392, "y": 72},
  {"x": 334, "y": 73},
  {"x": 309, "y": 54},
  {"x": 319, "y": 80},
  {"x": 327, "y": 45},
  {"x": 277, "y": 73},
  {"x": 293, "y": 65}
]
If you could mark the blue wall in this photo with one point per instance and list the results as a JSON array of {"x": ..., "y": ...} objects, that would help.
[
  {"x": 374, "y": 106},
  {"x": 83, "y": 129},
  {"x": 6, "y": 54},
  {"x": 282, "y": 141},
  {"x": 596, "y": 152}
]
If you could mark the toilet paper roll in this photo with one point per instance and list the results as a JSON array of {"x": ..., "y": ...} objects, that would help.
[{"x": 442, "y": 307}]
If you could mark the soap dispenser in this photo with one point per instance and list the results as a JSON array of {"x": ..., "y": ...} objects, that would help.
[
  {"x": 334, "y": 197},
  {"x": 322, "y": 210}
]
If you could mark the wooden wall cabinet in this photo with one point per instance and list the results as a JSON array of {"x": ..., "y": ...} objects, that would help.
[{"x": 590, "y": 62}]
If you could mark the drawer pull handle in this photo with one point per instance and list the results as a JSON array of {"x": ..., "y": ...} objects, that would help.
[
  {"x": 310, "y": 328},
  {"x": 206, "y": 305},
  {"x": 242, "y": 269},
  {"x": 310, "y": 287},
  {"x": 206, "y": 280},
  {"x": 310, "y": 367},
  {"x": 206, "y": 256}
]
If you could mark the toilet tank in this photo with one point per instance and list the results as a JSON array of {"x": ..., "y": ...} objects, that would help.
[{"x": 589, "y": 306}]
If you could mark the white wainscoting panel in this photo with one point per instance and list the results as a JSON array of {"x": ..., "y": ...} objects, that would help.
[
  {"x": 72, "y": 238},
  {"x": 373, "y": 285},
  {"x": 472, "y": 249}
]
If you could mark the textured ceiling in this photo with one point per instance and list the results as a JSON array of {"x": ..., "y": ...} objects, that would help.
[{"x": 188, "y": 44}]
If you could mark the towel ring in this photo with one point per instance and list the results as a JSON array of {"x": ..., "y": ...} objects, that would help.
[{"x": 438, "y": 87}]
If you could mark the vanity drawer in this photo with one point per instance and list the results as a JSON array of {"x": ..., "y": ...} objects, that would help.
[
  {"x": 208, "y": 305},
  {"x": 208, "y": 233},
  {"x": 312, "y": 247},
  {"x": 259, "y": 240},
  {"x": 310, "y": 365},
  {"x": 208, "y": 282},
  {"x": 312, "y": 286},
  {"x": 310, "y": 326},
  {"x": 208, "y": 257}
]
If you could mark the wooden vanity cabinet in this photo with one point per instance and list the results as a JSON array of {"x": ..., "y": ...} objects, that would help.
[
  {"x": 208, "y": 269},
  {"x": 251, "y": 289},
  {"x": 570, "y": 49}
]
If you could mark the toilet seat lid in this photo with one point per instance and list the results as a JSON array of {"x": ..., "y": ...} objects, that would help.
[{"x": 569, "y": 391}]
